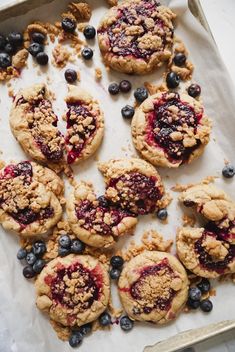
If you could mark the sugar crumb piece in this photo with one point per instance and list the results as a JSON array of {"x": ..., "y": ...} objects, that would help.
[
  {"x": 11, "y": 92},
  {"x": 81, "y": 26},
  {"x": 112, "y": 3},
  {"x": 60, "y": 55},
  {"x": 153, "y": 88},
  {"x": 81, "y": 11},
  {"x": 209, "y": 179},
  {"x": 98, "y": 74},
  {"x": 2, "y": 164},
  {"x": 188, "y": 220}
]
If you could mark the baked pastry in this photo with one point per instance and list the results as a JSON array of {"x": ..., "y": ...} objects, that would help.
[
  {"x": 73, "y": 290},
  {"x": 29, "y": 203},
  {"x": 133, "y": 184},
  {"x": 170, "y": 129},
  {"x": 34, "y": 125},
  {"x": 136, "y": 36},
  {"x": 95, "y": 221},
  {"x": 153, "y": 287},
  {"x": 85, "y": 125}
]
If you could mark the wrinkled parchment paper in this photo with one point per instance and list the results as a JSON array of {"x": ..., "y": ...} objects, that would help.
[{"x": 25, "y": 329}]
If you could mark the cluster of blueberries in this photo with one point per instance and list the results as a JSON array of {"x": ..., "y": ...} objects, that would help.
[
  {"x": 68, "y": 246},
  {"x": 33, "y": 259},
  {"x": 195, "y": 295},
  {"x": 9, "y": 46}
]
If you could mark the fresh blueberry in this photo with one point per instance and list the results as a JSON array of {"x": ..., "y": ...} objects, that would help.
[
  {"x": 117, "y": 261},
  {"x": 115, "y": 273},
  {"x": 87, "y": 53},
  {"x": 228, "y": 171},
  {"x": 15, "y": 38},
  {"x": 21, "y": 254},
  {"x": 105, "y": 319},
  {"x": 103, "y": 202},
  {"x": 5, "y": 60},
  {"x": 42, "y": 58},
  {"x": 204, "y": 286},
  {"x": 128, "y": 112},
  {"x": 114, "y": 88},
  {"x": 77, "y": 247},
  {"x": 39, "y": 265},
  {"x": 63, "y": 251},
  {"x": 75, "y": 339},
  {"x": 206, "y": 305},
  {"x": 2, "y": 41},
  {"x": 126, "y": 323},
  {"x": 162, "y": 214},
  {"x": 179, "y": 59},
  {"x": 65, "y": 241},
  {"x": 9, "y": 49},
  {"x": 195, "y": 294},
  {"x": 70, "y": 75},
  {"x": 193, "y": 304},
  {"x": 125, "y": 86},
  {"x": 194, "y": 90},
  {"x": 172, "y": 80},
  {"x": 35, "y": 48},
  {"x": 38, "y": 37},
  {"x": 89, "y": 32},
  {"x": 28, "y": 272},
  {"x": 85, "y": 329},
  {"x": 68, "y": 25},
  {"x": 31, "y": 258},
  {"x": 141, "y": 94},
  {"x": 39, "y": 248}
]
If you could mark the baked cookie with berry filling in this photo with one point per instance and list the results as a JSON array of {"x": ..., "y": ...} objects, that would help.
[
  {"x": 85, "y": 125},
  {"x": 169, "y": 129},
  {"x": 133, "y": 184},
  {"x": 34, "y": 125},
  {"x": 94, "y": 220},
  {"x": 28, "y": 204},
  {"x": 73, "y": 290},
  {"x": 136, "y": 36},
  {"x": 153, "y": 287}
]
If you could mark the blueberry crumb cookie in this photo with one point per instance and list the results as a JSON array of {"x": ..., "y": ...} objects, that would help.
[
  {"x": 136, "y": 36},
  {"x": 170, "y": 129}
]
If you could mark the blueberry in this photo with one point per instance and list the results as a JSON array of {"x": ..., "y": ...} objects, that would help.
[
  {"x": 70, "y": 75},
  {"x": 162, "y": 214},
  {"x": 228, "y": 171},
  {"x": 75, "y": 339},
  {"x": 114, "y": 88},
  {"x": 15, "y": 38},
  {"x": 204, "y": 286},
  {"x": 117, "y": 261},
  {"x": 63, "y": 251},
  {"x": 206, "y": 305},
  {"x": 5, "y": 60},
  {"x": 85, "y": 329},
  {"x": 68, "y": 25},
  {"x": 39, "y": 265},
  {"x": 115, "y": 273},
  {"x": 179, "y": 59},
  {"x": 87, "y": 53},
  {"x": 194, "y": 90},
  {"x": 103, "y": 202},
  {"x": 39, "y": 248},
  {"x": 42, "y": 58},
  {"x": 9, "y": 49},
  {"x": 77, "y": 247},
  {"x": 126, "y": 323},
  {"x": 128, "y": 112},
  {"x": 89, "y": 32},
  {"x": 65, "y": 241},
  {"x": 195, "y": 294},
  {"x": 141, "y": 94},
  {"x": 28, "y": 272},
  {"x": 35, "y": 48},
  {"x": 21, "y": 254},
  {"x": 125, "y": 86},
  {"x": 31, "y": 258},
  {"x": 105, "y": 319},
  {"x": 38, "y": 37},
  {"x": 2, "y": 41},
  {"x": 172, "y": 80},
  {"x": 193, "y": 304}
]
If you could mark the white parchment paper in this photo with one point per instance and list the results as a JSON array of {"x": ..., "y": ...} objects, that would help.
[{"x": 26, "y": 328}]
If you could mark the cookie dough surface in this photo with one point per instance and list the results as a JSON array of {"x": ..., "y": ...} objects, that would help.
[
  {"x": 73, "y": 290},
  {"x": 153, "y": 287},
  {"x": 169, "y": 129}
]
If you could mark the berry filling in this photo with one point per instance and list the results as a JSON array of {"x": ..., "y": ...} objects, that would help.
[
  {"x": 81, "y": 126},
  {"x": 224, "y": 233},
  {"x": 169, "y": 123},
  {"x": 28, "y": 216},
  {"x": 21, "y": 169},
  {"x": 135, "y": 192}
]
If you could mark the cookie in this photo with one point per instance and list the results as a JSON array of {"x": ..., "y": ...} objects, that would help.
[
  {"x": 170, "y": 129},
  {"x": 29, "y": 203},
  {"x": 34, "y": 125},
  {"x": 85, "y": 125},
  {"x": 73, "y": 290},
  {"x": 95, "y": 221},
  {"x": 153, "y": 287},
  {"x": 136, "y": 36},
  {"x": 133, "y": 184}
]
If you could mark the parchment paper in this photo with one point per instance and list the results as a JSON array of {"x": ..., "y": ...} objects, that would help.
[{"x": 26, "y": 328}]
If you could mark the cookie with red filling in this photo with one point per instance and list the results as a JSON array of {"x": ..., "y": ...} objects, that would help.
[
  {"x": 170, "y": 129},
  {"x": 133, "y": 184},
  {"x": 73, "y": 290},
  {"x": 153, "y": 287},
  {"x": 136, "y": 36},
  {"x": 95, "y": 221},
  {"x": 29, "y": 198},
  {"x": 85, "y": 125}
]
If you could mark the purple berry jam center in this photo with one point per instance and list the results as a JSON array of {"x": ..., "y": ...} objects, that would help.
[
  {"x": 223, "y": 233},
  {"x": 21, "y": 169},
  {"x": 28, "y": 216}
]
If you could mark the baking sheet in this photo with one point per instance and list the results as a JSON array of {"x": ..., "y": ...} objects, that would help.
[{"x": 27, "y": 328}]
